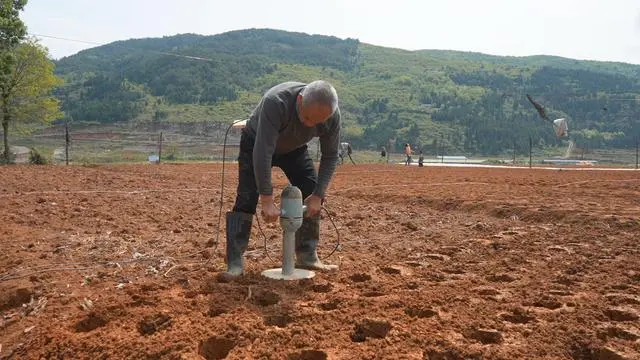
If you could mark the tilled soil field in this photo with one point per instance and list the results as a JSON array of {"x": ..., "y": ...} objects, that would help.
[{"x": 121, "y": 262}]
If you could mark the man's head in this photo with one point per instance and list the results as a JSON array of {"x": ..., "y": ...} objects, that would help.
[{"x": 317, "y": 102}]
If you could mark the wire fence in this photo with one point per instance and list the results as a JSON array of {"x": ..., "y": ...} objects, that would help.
[
  {"x": 116, "y": 146},
  {"x": 60, "y": 145}
]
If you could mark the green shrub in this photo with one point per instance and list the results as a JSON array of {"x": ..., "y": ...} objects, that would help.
[
  {"x": 36, "y": 158},
  {"x": 3, "y": 160}
]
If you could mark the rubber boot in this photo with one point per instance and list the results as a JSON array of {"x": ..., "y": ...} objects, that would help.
[
  {"x": 238, "y": 232},
  {"x": 307, "y": 238}
]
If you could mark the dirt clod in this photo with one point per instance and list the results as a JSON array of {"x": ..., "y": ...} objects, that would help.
[
  {"x": 518, "y": 316},
  {"x": 322, "y": 288},
  {"x": 548, "y": 302},
  {"x": 266, "y": 297},
  {"x": 621, "y": 314},
  {"x": 368, "y": 328},
  {"x": 330, "y": 305},
  {"x": 15, "y": 299},
  {"x": 216, "y": 348},
  {"x": 153, "y": 323},
  {"x": 420, "y": 312},
  {"x": 501, "y": 278},
  {"x": 360, "y": 277},
  {"x": 487, "y": 336},
  {"x": 308, "y": 355},
  {"x": 391, "y": 270},
  {"x": 90, "y": 322}
]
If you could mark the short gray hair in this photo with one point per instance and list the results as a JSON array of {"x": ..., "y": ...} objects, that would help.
[{"x": 320, "y": 92}]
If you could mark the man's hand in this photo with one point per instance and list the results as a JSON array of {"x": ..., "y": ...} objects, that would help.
[
  {"x": 270, "y": 212},
  {"x": 314, "y": 205}
]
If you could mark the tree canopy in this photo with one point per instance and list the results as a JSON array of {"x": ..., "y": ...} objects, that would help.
[{"x": 27, "y": 97}]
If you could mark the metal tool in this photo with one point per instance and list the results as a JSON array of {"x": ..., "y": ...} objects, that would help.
[{"x": 291, "y": 216}]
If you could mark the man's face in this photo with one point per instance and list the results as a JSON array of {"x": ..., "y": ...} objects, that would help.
[{"x": 313, "y": 114}]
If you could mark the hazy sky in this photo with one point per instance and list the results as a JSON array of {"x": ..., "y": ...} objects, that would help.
[{"x": 582, "y": 29}]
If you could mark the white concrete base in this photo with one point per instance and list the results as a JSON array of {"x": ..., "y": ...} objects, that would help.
[{"x": 297, "y": 274}]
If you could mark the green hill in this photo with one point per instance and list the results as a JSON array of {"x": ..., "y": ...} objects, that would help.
[{"x": 467, "y": 102}]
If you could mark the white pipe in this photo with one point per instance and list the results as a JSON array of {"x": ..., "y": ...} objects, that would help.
[{"x": 288, "y": 255}]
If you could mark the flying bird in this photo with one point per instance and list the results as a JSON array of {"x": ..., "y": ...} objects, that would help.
[
  {"x": 540, "y": 108},
  {"x": 560, "y": 126}
]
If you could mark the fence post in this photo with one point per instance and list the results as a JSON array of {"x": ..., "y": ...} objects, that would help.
[
  {"x": 530, "y": 151},
  {"x": 442, "y": 146},
  {"x": 160, "y": 148},
  {"x": 637, "y": 150},
  {"x": 67, "y": 140},
  {"x": 514, "y": 152}
]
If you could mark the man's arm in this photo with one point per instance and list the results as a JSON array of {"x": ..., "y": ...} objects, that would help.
[
  {"x": 329, "y": 145},
  {"x": 266, "y": 137}
]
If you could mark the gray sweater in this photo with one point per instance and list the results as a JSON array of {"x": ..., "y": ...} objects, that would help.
[{"x": 277, "y": 129}]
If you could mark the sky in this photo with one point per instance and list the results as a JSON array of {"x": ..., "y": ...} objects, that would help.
[{"x": 607, "y": 30}]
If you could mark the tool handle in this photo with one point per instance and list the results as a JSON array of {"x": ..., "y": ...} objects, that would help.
[{"x": 304, "y": 210}]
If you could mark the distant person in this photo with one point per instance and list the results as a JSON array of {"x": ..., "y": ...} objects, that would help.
[
  {"x": 341, "y": 153},
  {"x": 383, "y": 153},
  {"x": 345, "y": 149},
  {"x": 421, "y": 159},
  {"x": 287, "y": 117},
  {"x": 407, "y": 152}
]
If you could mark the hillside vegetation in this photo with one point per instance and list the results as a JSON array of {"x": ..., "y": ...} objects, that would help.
[{"x": 463, "y": 102}]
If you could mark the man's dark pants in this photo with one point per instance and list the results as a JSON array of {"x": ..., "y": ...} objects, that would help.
[{"x": 296, "y": 165}]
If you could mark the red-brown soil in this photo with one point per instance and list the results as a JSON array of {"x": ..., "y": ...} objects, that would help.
[{"x": 119, "y": 262}]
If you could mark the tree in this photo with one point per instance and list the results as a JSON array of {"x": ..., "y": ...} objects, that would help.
[
  {"x": 12, "y": 29},
  {"x": 413, "y": 134},
  {"x": 26, "y": 96}
]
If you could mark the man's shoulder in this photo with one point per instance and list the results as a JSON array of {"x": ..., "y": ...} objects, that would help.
[{"x": 285, "y": 91}]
